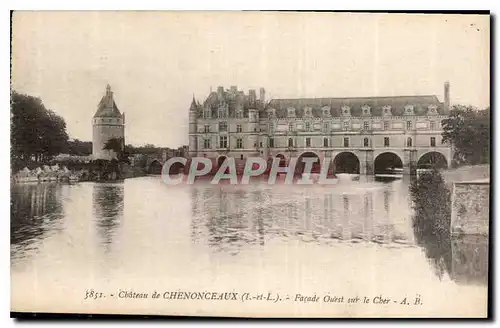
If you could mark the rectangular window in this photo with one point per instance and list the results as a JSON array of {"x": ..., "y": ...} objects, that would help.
[
  {"x": 207, "y": 128},
  {"x": 326, "y": 127},
  {"x": 223, "y": 127},
  {"x": 325, "y": 142},
  {"x": 290, "y": 127},
  {"x": 239, "y": 143},
  {"x": 346, "y": 142},
  {"x": 239, "y": 114},
  {"x": 433, "y": 142},
  {"x": 386, "y": 125},
  {"x": 408, "y": 125},
  {"x": 238, "y": 128},
  {"x": 308, "y": 126},
  {"x": 366, "y": 125},
  {"x": 308, "y": 142},
  {"x": 206, "y": 114},
  {"x": 433, "y": 125},
  {"x": 271, "y": 143},
  {"x": 223, "y": 142},
  {"x": 366, "y": 142},
  {"x": 386, "y": 141},
  {"x": 346, "y": 125},
  {"x": 206, "y": 143}
]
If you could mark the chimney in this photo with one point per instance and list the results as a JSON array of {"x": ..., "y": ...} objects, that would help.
[
  {"x": 252, "y": 97},
  {"x": 220, "y": 92},
  {"x": 447, "y": 96},
  {"x": 262, "y": 95}
]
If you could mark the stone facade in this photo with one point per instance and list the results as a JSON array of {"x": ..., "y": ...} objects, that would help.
[
  {"x": 231, "y": 123},
  {"x": 107, "y": 123},
  {"x": 470, "y": 208}
]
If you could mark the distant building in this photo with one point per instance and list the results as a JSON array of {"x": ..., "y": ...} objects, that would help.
[
  {"x": 358, "y": 134},
  {"x": 107, "y": 123}
]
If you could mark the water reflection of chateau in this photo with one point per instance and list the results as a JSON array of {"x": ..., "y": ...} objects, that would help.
[
  {"x": 225, "y": 215},
  {"x": 107, "y": 200},
  {"x": 229, "y": 218}
]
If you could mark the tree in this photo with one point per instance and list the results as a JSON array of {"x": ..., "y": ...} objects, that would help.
[
  {"x": 37, "y": 134},
  {"x": 117, "y": 145},
  {"x": 468, "y": 131},
  {"x": 432, "y": 218},
  {"x": 79, "y": 148}
]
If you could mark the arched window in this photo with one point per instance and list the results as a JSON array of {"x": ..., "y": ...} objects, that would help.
[
  {"x": 409, "y": 142},
  {"x": 290, "y": 142}
]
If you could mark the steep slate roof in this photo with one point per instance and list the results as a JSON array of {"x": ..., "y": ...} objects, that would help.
[
  {"x": 376, "y": 104},
  {"x": 104, "y": 110},
  {"x": 234, "y": 101}
]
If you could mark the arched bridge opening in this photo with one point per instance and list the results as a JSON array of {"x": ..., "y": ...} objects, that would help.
[
  {"x": 346, "y": 162},
  {"x": 300, "y": 166},
  {"x": 432, "y": 159},
  {"x": 388, "y": 163},
  {"x": 155, "y": 167}
]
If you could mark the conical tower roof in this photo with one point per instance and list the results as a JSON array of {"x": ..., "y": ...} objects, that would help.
[
  {"x": 193, "y": 106},
  {"x": 107, "y": 106}
]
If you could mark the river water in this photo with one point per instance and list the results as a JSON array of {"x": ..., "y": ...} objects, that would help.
[{"x": 354, "y": 239}]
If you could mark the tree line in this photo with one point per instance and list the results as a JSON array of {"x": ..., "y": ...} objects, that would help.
[{"x": 467, "y": 129}]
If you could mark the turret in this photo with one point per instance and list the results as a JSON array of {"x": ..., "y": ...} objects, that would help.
[
  {"x": 193, "y": 138},
  {"x": 107, "y": 123}
]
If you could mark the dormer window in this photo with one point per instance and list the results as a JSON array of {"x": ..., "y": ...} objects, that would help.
[
  {"x": 207, "y": 114},
  {"x": 307, "y": 112},
  {"x": 222, "y": 113},
  {"x": 239, "y": 114},
  {"x": 290, "y": 112},
  {"x": 432, "y": 110},
  {"x": 326, "y": 111},
  {"x": 346, "y": 111},
  {"x": 271, "y": 112},
  {"x": 365, "y": 110},
  {"x": 409, "y": 110},
  {"x": 386, "y": 111}
]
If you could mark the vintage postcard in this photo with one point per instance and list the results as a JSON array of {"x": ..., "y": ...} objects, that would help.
[{"x": 250, "y": 164}]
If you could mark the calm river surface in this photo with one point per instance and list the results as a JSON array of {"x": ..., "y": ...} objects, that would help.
[{"x": 352, "y": 239}]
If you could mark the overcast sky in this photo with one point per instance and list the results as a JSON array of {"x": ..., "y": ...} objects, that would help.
[{"x": 155, "y": 61}]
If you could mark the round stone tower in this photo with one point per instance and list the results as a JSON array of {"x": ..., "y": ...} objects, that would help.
[{"x": 107, "y": 123}]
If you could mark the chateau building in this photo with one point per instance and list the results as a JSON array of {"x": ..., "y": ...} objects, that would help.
[
  {"x": 107, "y": 123},
  {"x": 359, "y": 135}
]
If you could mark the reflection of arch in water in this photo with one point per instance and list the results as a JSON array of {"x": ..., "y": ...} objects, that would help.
[
  {"x": 434, "y": 158},
  {"x": 155, "y": 167},
  {"x": 108, "y": 209},
  {"x": 387, "y": 161},
  {"x": 346, "y": 162}
]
